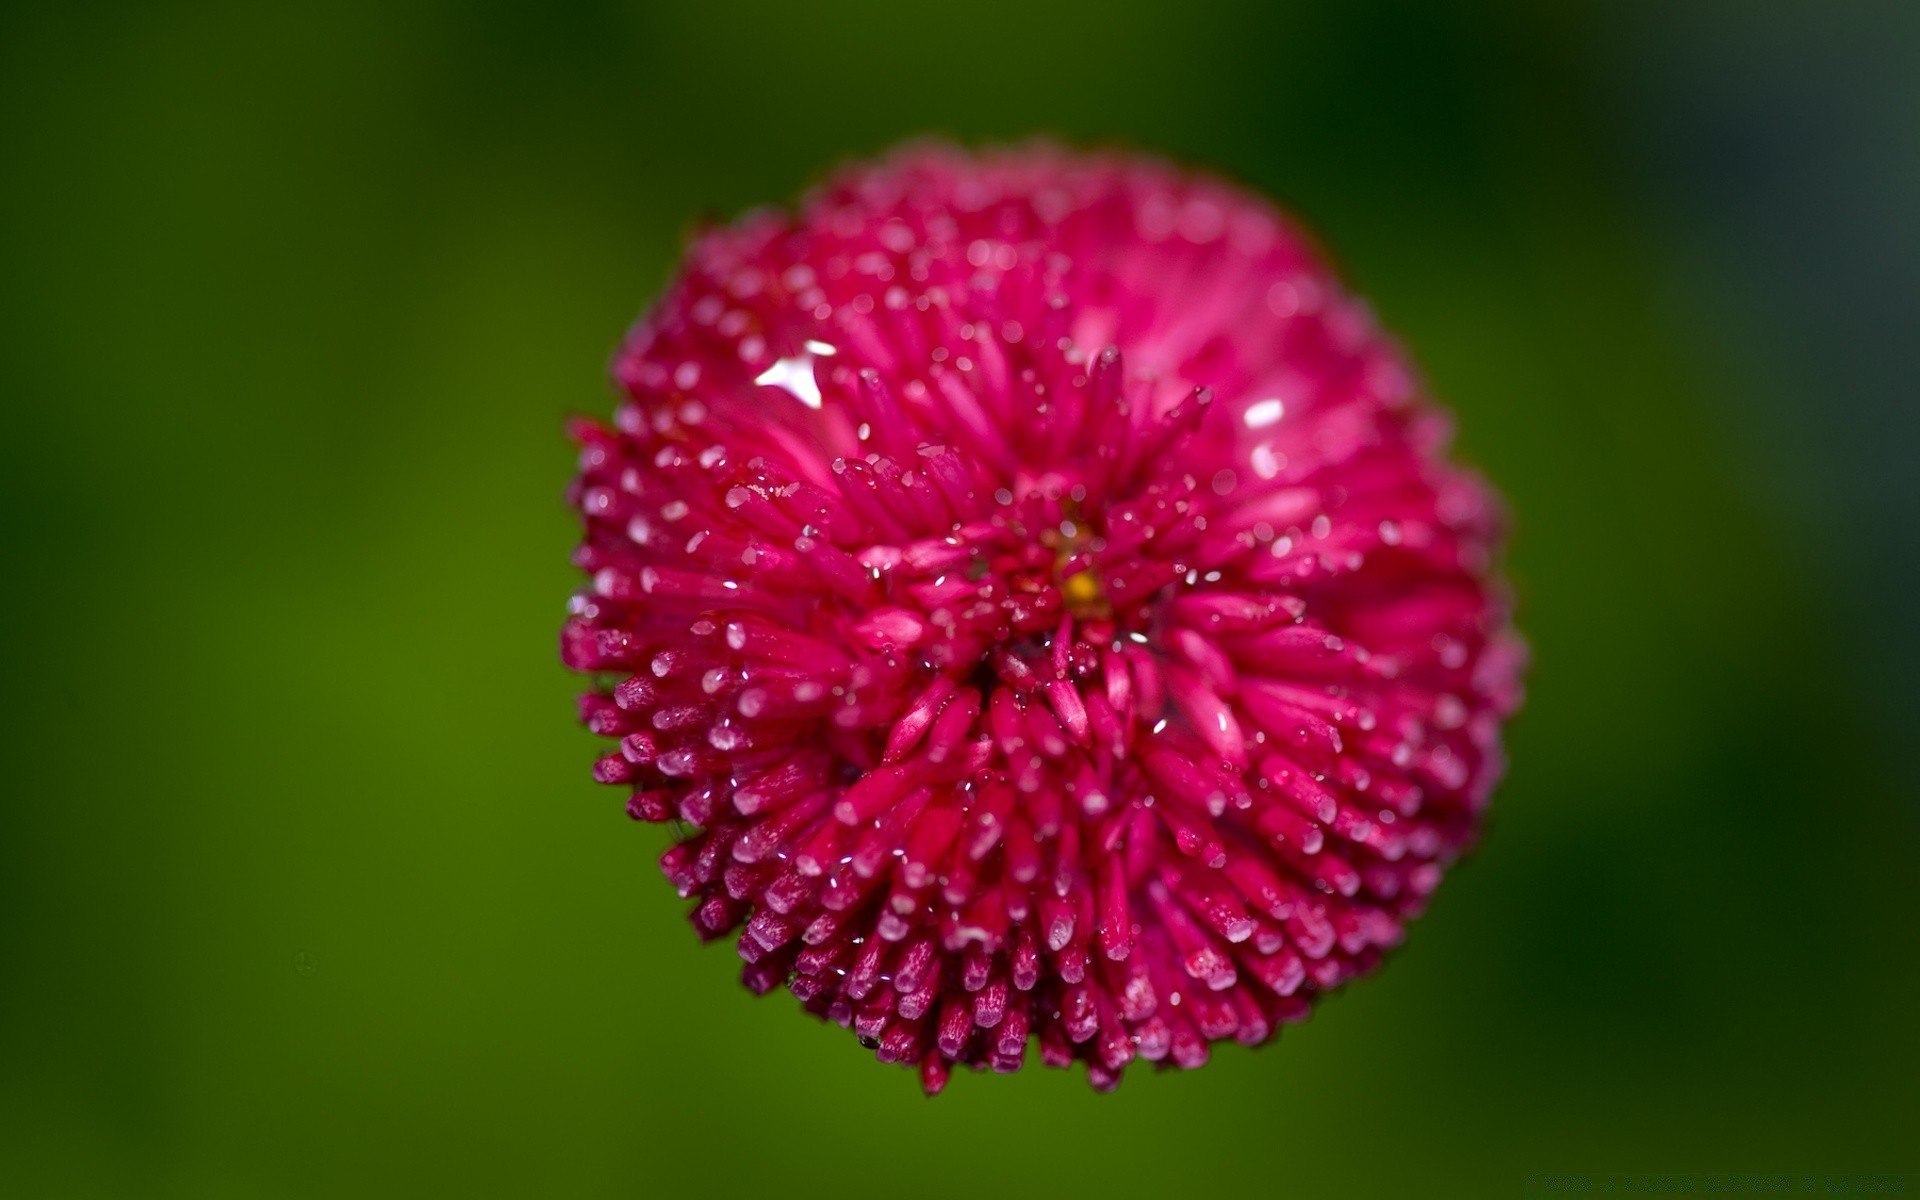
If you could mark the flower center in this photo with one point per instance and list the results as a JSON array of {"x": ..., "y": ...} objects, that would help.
[
  {"x": 1073, "y": 545},
  {"x": 1085, "y": 598}
]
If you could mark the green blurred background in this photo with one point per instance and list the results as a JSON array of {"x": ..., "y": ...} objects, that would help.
[{"x": 305, "y": 890}]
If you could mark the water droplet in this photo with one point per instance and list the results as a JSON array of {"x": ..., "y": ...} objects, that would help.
[
  {"x": 1263, "y": 413},
  {"x": 795, "y": 377},
  {"x": 1267, "y": 462}
]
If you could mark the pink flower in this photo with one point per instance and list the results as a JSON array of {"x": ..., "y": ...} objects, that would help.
[{"x": 1038, "y": 589}]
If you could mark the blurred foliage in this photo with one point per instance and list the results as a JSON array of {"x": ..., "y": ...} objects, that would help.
[{"x": 304, "y": 887}]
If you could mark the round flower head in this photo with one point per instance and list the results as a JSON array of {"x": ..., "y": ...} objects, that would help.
[{"x": 1037, "y": 592}]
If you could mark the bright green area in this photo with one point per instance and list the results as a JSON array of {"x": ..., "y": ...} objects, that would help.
[{"x": 304, "y": 887}]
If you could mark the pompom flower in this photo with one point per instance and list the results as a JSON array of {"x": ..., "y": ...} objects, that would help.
[{"x": 1037, "y": 593}]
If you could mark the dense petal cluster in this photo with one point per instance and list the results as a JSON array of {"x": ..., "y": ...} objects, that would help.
[{"x": 1037, "y": 590}]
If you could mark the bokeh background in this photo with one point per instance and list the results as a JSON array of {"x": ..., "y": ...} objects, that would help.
[{"x": 305, "y": 890}]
